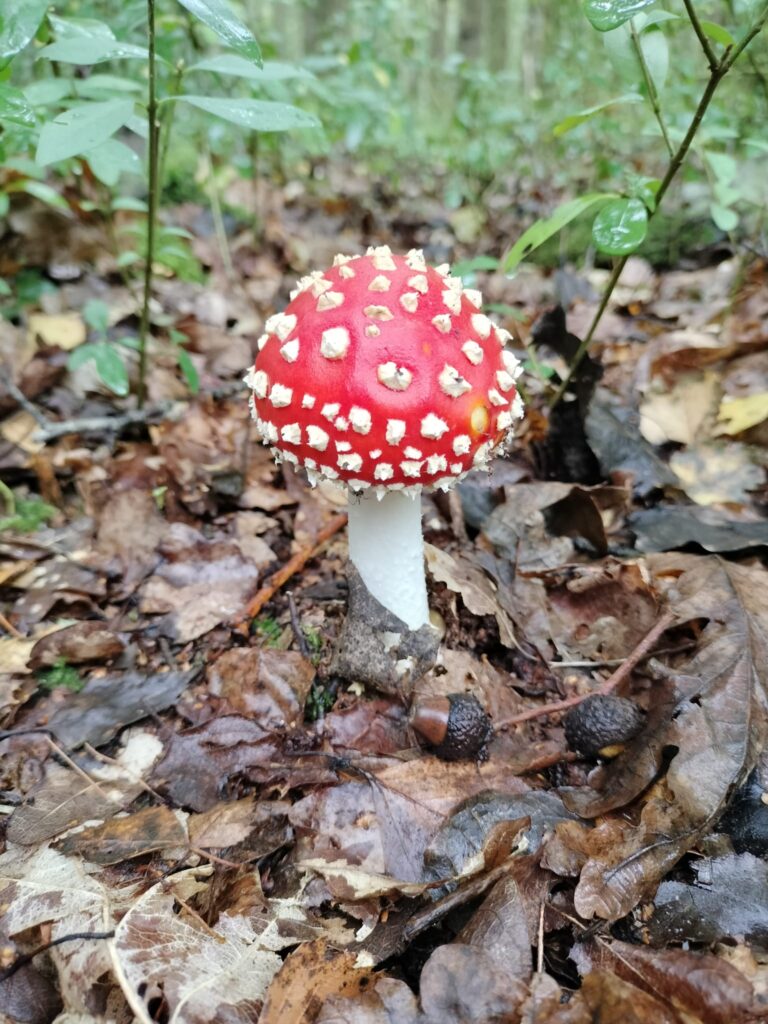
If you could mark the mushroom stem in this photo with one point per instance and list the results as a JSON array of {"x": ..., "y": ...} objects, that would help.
[{"x": 386, "y": 547}]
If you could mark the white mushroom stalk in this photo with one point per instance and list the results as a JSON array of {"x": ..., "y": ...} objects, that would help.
[
  {"x": 386, "y": 548},
  {"x": 384, "y": 376}
]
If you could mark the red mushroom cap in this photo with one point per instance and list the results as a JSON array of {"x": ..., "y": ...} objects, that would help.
[{"x": 383, "y": 372}]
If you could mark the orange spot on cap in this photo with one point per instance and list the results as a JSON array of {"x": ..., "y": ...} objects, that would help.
[{"x": 479, "y": 419}]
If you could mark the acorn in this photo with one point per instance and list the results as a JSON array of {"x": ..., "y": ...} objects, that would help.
[
  {"x": 455, "y": 726},
  {"x": 602, "y": 724}
]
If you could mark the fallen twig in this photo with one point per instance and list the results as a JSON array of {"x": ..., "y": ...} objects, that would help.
[
  {"x": 26, "y": 958},
  {"x": 294, "y": 565},
  {"x": 642, "y": 650},
  {"x": 101, "y": 424}
]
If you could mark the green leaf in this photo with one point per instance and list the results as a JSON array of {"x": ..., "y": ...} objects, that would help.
[
  {"x": 232, "y": 64},
  {"x": 188, "y": 370},
  {"x": 5, "y": 288},
  {"x": 543, "y": 230},
  {"x": 94, "y": 87},
  {"x": 19, "y": 21},
  {"x": 464, "y": 268},
  {"x": 111, "y": 368},
  {"x": 645, "y": 189},
  {"x": 217, "y": 15},
  {"x": 112, "y": 158},
  {"x": 47, "y": 91},
  {"x": 14, "y": 107},
  {"x": 574, "y": 120},
  {"x": 45, "y": 194},
  {"x": 80, "y": 129},
  {"x": 82, "y": 354},
  {"x": 74, "y": 28},
  {"x": 620, "y": 227},
  {"x": 723, "y": 165},
  {"x": 656, "y": 52},
  {"x": 258, "y": 115},
  {"x": 89, "y": 50},
  {"x": 96, "y": 315},
  {"x": 718, "y": 33},
  {"x": 605, "y": 15},
  {"x": 129, "y": 203},
  {"x": 725, "y": 218}
]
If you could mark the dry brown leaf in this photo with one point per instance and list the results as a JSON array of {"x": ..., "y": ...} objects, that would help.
[
  {"x": 477, "y": 591},
  {"x": 681, "y": 412},
  {"x": 714, "y": 474},
  {"x": 151, "y": 830},
  {"x": 310, "y": 976}
]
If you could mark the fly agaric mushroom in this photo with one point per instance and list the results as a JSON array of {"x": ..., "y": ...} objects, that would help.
[{"x": 384, "y": 376}]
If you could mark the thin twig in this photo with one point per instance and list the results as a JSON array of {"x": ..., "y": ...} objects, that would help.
[
  {"x": 18, "y": 396},
  {"x": 298, "y": 632},
  {"x": 640, "y": 652},
  {"x": 9, "y": 627},
  {"x": 650, "y": 85},
  {"x": 299, "y": 560},
  {"x": 26, "y": 958},
  {"x": 697, "y": 28},
  {"x": 101, "y": 424}
]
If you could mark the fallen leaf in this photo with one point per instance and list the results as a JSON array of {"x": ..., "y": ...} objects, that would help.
[
  {"x": 476, "y": 589},
  {"x": 680, "y": 412},
  {"x": 107, "y": 703},
  {"x": 739, "y": 414},
  {"x": 263, "y": 823},
  {"x": 718, "y": 474},
  {"x": 267, "y": 685},
  {"x": 77, "y": 644},
  {"x": 151, "y": 830},
  {"x": 62, "y": 330},
  {"x": 199, "y": 584},
  {"x": 701, "y": 986},
  {"x": 41, "y": 887},
  {"x": 667, "y": 527},
  {"x": 204, "y": 974},
  {"x": 614, "y": 437},
  {"x": 310, "y": 976}
]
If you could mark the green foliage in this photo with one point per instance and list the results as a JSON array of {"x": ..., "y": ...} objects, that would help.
[
  {"x": 319, "y": 702},
  {"x": 268, "y": 629},
  {"x": 25, "y": 515},
  {"x": 60, "y": 674}
]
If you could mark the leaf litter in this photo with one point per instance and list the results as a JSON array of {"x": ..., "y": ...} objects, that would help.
[{"x": 212, "y": 826}]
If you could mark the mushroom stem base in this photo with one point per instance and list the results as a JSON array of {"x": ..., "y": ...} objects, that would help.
[{"x": 386, "y": 547}]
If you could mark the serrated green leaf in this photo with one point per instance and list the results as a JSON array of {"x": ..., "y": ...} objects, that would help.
[
  {"x": 724, "y": 217},
  {"x": 232, "y": 64},
  {"x": 574, "y": 120},
  {"x": 605, "y": 15},
  {"x": 218, "y": 16},
  {"x": 111, "y": 368},
  {"x": 15, "y": 108},
  {"x": 87, "y": 50},
  {"x": 81, "y": 128},
  {"x": 620, "y": 227},
  {"x": 19, "y": 21},
  {"x": 258, "y": 115},
  {"x": 543, "y": 230},
  {"x": 718, "y": 33}
]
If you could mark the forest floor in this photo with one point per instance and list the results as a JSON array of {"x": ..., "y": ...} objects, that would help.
[{"x": 199, "y": 822}]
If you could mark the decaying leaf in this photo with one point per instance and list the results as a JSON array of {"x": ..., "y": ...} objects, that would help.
[{"x": 204, "y": 974}]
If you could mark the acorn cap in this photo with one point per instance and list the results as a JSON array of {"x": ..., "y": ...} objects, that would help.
[
  {"x": 383, "y": 372},
  {"x": 456, "y": 726},
  {"x": 602, "y": 724}
]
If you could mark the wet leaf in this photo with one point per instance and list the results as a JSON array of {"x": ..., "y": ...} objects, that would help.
[
  {"x": 665, "y": 528},
  {"x": 620, "y": 227},
  {"x": 107, "y": 703},
  {"x": 268, "y": 685},
  {"x": 229, "y": 824},
  {"x": 77, "y": 644}
]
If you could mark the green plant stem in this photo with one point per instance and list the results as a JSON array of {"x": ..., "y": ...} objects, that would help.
[
  {"x": 705, "y": 43},
  {"x": 152, "y": 208},
  {"x": 717, "y": 74},
  {"x": 650, "y": 85},
  {"x": 9, "y": 499},
  {"x": 166, "y": 119}
]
